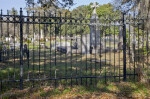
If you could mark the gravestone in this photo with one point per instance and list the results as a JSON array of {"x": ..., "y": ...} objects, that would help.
[
  {"x": 12, "y": 48},
  {"x": 64, "y": 47},
  {"x": 41, "y": 34},
  {"x": 5, "y": 48},
  {"x": 94, "y": 31},
  {"x": 83, "y": 44},
  {"x": 26, "y": 51}
]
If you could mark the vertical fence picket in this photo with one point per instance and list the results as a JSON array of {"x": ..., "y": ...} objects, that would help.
[
  {"x": 28, "y": 50},
  {"x": 101, "y": 46},
  {"x": 124, "y": 48},
  {"x": 33, "y": 53},
  {"x": 147, "y": 44},
  {"x": 143, "y": 40},
  {"x": 39, "y": 70},
  {"x": 114, "y": 49},
  {"x": 66, "y": 47},
  {"x": 21, "y": 49},
  {"x": 129, "y": 44},
  {"x": 1, "y": 34},
  {"x": 55, "y": 47},
  {"x": 44, "y": 76},
  {"x": 8, "y": 51},
  {"x": 120, "y": 35},
  {"x": 50, "y": 74},
  {"x": 105, "y": 48}
]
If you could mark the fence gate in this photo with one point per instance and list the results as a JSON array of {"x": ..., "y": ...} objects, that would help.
[{"x": 57, "y": 48}]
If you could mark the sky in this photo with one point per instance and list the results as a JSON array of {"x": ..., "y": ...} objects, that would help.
[{"x": 17, "y": 4}]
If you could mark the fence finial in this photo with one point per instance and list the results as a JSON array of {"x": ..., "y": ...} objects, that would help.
[
  {"x": 8, "y": 12},
  {"x": 20, "y": 9},
  {"x": 1, "y": 11}
]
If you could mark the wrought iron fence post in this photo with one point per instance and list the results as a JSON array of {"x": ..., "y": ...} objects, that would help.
[
  {"x": 1, "y": 78},
  {"x": 21, "y": 50},
  {"x": 124, "y": 47},
  {"x": 1, "y": 38}
]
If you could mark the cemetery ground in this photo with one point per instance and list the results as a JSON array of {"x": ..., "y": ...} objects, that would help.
[{"x": 46, "y": 63}]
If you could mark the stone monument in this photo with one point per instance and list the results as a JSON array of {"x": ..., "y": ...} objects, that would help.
[{"x": 94, "y": 31}]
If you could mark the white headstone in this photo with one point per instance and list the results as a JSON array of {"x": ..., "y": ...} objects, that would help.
[{"x": 41, "y": 34}]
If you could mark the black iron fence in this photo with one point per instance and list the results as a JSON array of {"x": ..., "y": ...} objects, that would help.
[{"x": 61, "y": 48}]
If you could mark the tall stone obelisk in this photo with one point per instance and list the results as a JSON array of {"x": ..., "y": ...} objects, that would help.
[{"x": 94, "y": 31}]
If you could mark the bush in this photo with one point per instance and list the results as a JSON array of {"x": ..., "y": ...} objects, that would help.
[{"x": 28, "y": 41}]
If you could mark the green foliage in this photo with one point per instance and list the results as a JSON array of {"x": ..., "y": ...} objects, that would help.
[
  {"x": 106, "y": 9},
  {"x": 28, "y": 41},
  {"x": 13, "y": 11},
  {"x": 45, "y": 4},
  {"x": 146, "y": 51}
]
